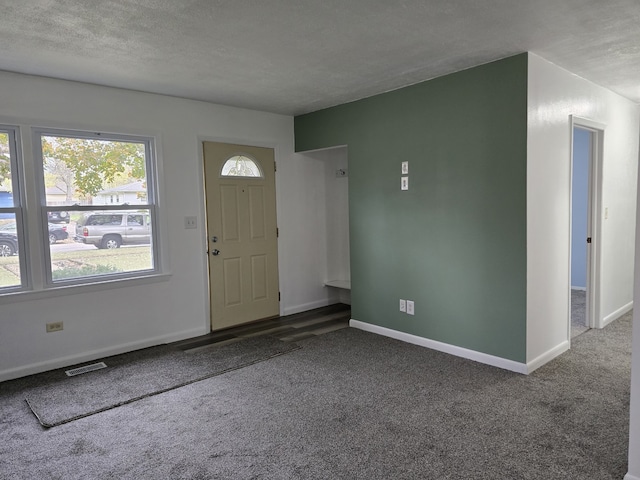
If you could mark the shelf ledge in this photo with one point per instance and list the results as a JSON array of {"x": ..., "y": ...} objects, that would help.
[{"x": 344, "y": 284}]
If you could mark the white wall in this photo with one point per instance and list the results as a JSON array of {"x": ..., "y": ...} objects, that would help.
[
  {"x": 304, "y": 205},
  {"x": 553, "y": 95},
  {"x": 330, "y": 227},
  {"x": 337, "y": 259},
  {"x": 107, "y": 322},
  {"x": 634, "y": 422}
]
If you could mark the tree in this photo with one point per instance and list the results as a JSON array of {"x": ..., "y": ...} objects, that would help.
[
  {"x": 92, "y": 162},
  {"x": 59, "y": 175},
  {"x": 5, "y": 159}
]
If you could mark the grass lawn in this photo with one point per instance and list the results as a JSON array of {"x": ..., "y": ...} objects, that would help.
[
  {"x": 9, "y": 272},
  {"x": 81, "y": 263}
]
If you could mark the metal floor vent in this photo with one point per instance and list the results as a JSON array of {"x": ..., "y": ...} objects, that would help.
[{"x": 87, "y": 368}]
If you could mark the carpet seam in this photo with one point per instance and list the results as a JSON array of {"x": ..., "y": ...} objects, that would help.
[{"x": 157, "y": 392}]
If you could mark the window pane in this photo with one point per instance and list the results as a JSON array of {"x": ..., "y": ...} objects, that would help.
[
  {"x": 241, "y": 166},
  {"x": 90, "y": 171},
  {"x": 103, "y": 243},
  {"x": 6, "y": 187},
  {"x": 96, "y": 189},
  {"x": 9, "y": 261},
  {"x": 10, "y": 271}
]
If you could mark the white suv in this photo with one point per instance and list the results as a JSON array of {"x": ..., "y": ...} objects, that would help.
[{"x": 111, "y": 229}]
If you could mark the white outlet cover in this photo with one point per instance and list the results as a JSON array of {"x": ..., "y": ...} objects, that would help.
[
  {"x": 405, "y": 167},
  {"x": 403, "y": 305},
  {"x": 404, "y": 183},
  {"x": 410, "y": 306}
]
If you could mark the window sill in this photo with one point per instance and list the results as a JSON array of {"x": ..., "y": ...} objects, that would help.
[{"x": 56, "y": 291}]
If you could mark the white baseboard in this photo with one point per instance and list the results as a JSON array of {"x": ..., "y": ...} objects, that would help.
[
  {"x": 548, "y": 356},
  {"x": 628, "y": 476},
  {"x": 46, "y": 365},
  {"x": 308, "y": 306},
  {"x": 617, "y": 314},
  {"x": 443, "y": 347}
]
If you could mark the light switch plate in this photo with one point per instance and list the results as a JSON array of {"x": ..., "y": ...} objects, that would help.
[
  {"x": 190, "y": 222},
  {"x": 405, "y": 167},
  {"x": 403, "y": 305},
  {"x": 404, "y": 183}
]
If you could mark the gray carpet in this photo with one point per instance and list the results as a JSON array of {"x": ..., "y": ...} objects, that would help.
[
  {"x": 59, "y": 399},
  {"x": 351, "y": 405}
]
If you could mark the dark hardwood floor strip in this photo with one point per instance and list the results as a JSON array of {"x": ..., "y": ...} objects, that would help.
[{"x": 297, "y": 326}]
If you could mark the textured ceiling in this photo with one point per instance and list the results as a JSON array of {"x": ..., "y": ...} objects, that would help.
[{"x": 297, "y": 56}]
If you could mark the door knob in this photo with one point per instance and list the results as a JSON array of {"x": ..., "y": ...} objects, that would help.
[
  {"x": 214, "y": 239},
  {"x": 215, "y": 252}
]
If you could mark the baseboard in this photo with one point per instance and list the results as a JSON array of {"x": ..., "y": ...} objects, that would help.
[
  {"x": 617, "y": 314},
  {"x": 442, "y": 347},
  {"x": 548, "y": 356},
  {"x": 308, "y": 306},
  {"x": 40, "y": 367},
  {"x": 628, "y": 476}
]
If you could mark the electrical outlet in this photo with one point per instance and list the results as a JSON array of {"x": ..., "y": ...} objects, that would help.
[
  {"x": 404, "y": 183},
  {"x": 403, "y": 305},
  {"x": 190, "y": 222},
  {"x": 405, "y": 168},
  {"x": 410, "y": 306},
  {"x": 55, "y": 327}
]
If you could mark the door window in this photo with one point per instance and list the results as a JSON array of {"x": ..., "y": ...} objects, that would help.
[{"x": 241, "y": 166}]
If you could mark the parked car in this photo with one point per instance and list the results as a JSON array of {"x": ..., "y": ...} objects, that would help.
[
  {"x": 111, "y": 229},
  {"x": 58, "y": 217},
  {"x": 8, "y": 244},
  {"x": 56, "y": 232}
]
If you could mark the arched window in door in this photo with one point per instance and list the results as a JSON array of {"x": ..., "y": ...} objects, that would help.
[{"x": 241, "y": 166}]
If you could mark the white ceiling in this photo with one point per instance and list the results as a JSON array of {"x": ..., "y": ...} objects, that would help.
[{"x": 297, "y": 56}]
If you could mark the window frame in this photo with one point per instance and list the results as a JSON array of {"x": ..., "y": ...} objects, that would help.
[
  {"x": 151, "y": 205},
  {"x": 16, "y": 162}
]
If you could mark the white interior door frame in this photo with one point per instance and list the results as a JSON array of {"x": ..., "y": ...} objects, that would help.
[{"x": 594, "y": 224}]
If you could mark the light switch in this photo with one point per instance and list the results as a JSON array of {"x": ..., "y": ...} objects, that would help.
[
  {"x": 404, "y": 183},
  {"x": 403, "y": 305},
  {"x": 190, "y": 222}
]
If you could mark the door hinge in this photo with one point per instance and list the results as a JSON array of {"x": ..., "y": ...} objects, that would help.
[
  {"x": 279, "y": 296},
  {"x": 588, "y": 239},
  {"x": 275, "y": 167},
  {"x": 277, "y": 232}
]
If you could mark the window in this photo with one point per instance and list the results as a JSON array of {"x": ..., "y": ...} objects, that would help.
[
  {"x": 241, "y": 166},
  {"x": 105, "y": 239},
  {"x": 12, "y": 264}
]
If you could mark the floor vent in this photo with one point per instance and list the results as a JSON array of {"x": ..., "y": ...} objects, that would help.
[{"x": 87, "y": 368}]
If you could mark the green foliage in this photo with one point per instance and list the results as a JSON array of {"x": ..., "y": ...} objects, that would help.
[
  {"x": 94, "y": 162},
  {"x": 5, "y": 159},
  {"x": 83, "y": 271}
]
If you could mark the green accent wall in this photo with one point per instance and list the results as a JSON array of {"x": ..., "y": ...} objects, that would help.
[{"x": 455, "y": 242}]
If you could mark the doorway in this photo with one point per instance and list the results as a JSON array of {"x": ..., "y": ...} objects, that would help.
[
  {"x": 580, "y": 177},
  {"x": 241, "y": 233},
  {"x": 586, "y": 141}
]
